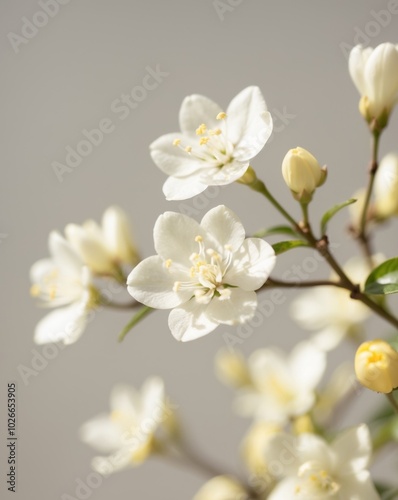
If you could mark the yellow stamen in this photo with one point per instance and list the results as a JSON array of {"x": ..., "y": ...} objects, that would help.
[
  {"x": 204, "y": 140},
  {"x": 176, "y": 142},
  {"x": 188, "y": 149},
  {"x": 221, "y": 116},
  {"x": 201, "y": 129},
  {"x": 215, "y": 131},
  {"x": 177, "y": 286},
  {"x": 35, "y": 290},
  {"x": 167, "y": 263},
  {"x": 198, "y": 239}
]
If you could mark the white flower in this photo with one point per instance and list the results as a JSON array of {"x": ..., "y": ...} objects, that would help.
[
  {"x": 282, "y": 386},
  {"x": 62, "y": 281},
  {"x": 375, "y": 74},
  {"x": 104, "y": 248},
  {"x": 311, "y": 469},
  {"x": 214, "y": 147},
  {"x": 206, "y": 273},
  {"x": 386, "y": 187},
  {"x": 129, "y": 433},
  {"x": 331, "y": 311},
  {"x": 222, "y": 488}
]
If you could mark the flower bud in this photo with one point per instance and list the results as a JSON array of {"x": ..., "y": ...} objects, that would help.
[
  {"x": 376, "y": 366},
  {"x": 254, "y": 444},
  {"x": 231, "y": 368},
  {"x": 302, "y": 173},
  {"x": 386, "y": 187},
  {"x": 117, "y": 234},
  {"x": 375, "y": 74},
  {"x": 221, "y": 488}
]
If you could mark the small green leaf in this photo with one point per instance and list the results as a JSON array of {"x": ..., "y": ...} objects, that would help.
[
  {"x": 138, "y": 316},
  {"x": 332, "y": 212},
  {"x": 384, "y": 279},
  {"x": 275, "y": 230},
  {"x": 284, "y": 246}
]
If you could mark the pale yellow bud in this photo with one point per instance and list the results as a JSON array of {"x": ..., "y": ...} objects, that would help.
[
  {"x": 302, "y": 173},
  {"x": 376, "y": 366},
  {"x": 254, "y": 445},
  {"x": 386, "y": 187},
  {"x": 231, "y": 369},
  {"x": 222, "y": 488}
]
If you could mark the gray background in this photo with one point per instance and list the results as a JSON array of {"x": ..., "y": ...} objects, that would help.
[{"x": 64, "y": 80}]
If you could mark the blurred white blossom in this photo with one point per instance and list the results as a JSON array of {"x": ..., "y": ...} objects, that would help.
[
  {"x": 222, "y": 488},
  {"x": 386, "y": 187},
  {"x": 214, "y": 147}
]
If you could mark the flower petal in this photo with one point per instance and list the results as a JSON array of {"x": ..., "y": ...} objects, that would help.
[
  {"x": 173, "y": 160},
  {"x": 195, "y": 110},
  {"x": 63, "y": 254},
  {"x": 284, "y": 490},
  {"x": 252, "y": 265},
  {"x": 65, "y": 324},
  {"x": 102, "y": 434},
  {"x": 230, "y": 172},
  {"x": 238, "y": 308},
  {"x": 151, "y": 283},
  {"x": 307, "y": 364},
  {"x": 125, "y": 399},
  {"x": 356, "y": 65},
  {"x": 225, "y": 226},
  {"x": 353, "y": 449},
  {"x": 190, "y": 321},
  {"x": 359, "y": 487},
  {"x": 182, "y": 188},
  {"x": 249, "y": 123}
]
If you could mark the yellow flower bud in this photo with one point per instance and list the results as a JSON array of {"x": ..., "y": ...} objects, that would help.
[
  {"x": 221, "y": 488},
  {"x": 302, "y": 173},
  {"x": 376, "y": 366},
  {"x": 231, "y": 369},
  {"x": 254, "y": 445},
  {"x": 386, "y": 187}
]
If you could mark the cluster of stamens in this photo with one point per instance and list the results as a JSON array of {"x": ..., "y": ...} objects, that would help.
[
  {"x": 206, "y": 273},
  {"x": 48, "y": 288},
  {"x": 315, "y": 480}
]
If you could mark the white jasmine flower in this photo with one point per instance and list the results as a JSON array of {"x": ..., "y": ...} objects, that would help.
[
  {"x": 138, "y": 420},
  {"x": 62, "y": 281},
  {"x": 214, "y": 147},
  {"x": 313, "y": 469},
  {"x": 331, "y": 311},
  {"x": 104, "y": 248},
  {"x": 206, "y": 273},
  {"x": 375, "y": 74},
  {"x": 282, "y": 386}
]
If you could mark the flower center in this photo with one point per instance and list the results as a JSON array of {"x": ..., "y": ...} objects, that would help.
[
  {"x": 212, "y": 147},
  {"x": 315, "y": 482},
  {"x": 206, "y": 274}
]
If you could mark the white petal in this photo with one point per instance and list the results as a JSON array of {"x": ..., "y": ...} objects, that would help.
[
  {"x": 238, "y": 308},
  {"x": 353, "y": 448},
  {"x": 229, "y": 173},
  {"x": 102, "y": 434},
  {"x": 329, "y": 338},
  {"x": 151, "y": 283},
  {"x": 359, "y": 487},
  {"x": 117, "y": 234},
  {"x": 174, "y": 237},
  {"x": 41, "y": 268},
  {"x": 225, "y": 226},
  {"x": 195, "y": 110},
  {"x": 252, "y": 265},
  {"x": 116, "y": 462},
  {"x": 153, "y": 395},
  {"x": 356, "y": 65},
  {"x": 249, "y": 123},
  {"x": 173, "y": 160},
  {"x": 182, "y": 188},
  {"x": 307, "y": 365},
  {"x": 190, "y": 321},
  {"x": 283, "y": 451},
  {"x": 63, "y": 254},
  {"x": 125, "y": 399},
  {"x": 285, "y": 490},
  {"x": 65, "y": 324}
]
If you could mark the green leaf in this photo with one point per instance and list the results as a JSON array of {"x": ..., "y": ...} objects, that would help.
[
  {"x": 384, "y": 279},
  {"x": 275, "y": 230},
  {"x": 138, "y": 316},
  {"x": 332, "y": 212},
  {"x": 284, "y": 246}
]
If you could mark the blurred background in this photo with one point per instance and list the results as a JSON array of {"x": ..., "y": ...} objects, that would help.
[{"x": 64, "y": 72}]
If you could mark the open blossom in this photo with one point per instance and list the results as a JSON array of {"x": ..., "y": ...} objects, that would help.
[
  {"x": 214, "y": 147},
  {"x": 282, "y": 387},
  {"x": 104, "y": 248},
  {"x": 206, "y": 273},
  {"x": 331, "y": 311},
  {"x": 313, "y": 469},
  {"x": 137, "y": 423},
  {"x": 62, "y": 281},
  {"x": 375, "y": 74}
]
